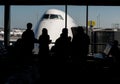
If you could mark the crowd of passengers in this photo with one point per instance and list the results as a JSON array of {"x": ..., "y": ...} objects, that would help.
[{"x": 65, "y": 49}]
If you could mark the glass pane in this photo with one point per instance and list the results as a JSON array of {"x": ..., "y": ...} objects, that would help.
[
  {"x": 105, "y": 26},
  {"x": 78, "y": 13},
  {"x": 21, "y": 15},
  {"x": 1, "y": 23},
  {"x": 105, "y": 16}
]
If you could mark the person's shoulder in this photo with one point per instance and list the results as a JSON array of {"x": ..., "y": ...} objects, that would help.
[{"x": 23, "y": 32}]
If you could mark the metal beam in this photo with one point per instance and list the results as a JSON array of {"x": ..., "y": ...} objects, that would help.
[
  {"x": 6, "y": 25},
  {"x": 66, "y": 16},
  {"x": 87, "y": 19}
]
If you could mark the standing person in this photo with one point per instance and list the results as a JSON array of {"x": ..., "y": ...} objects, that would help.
[
  {"x": 44, "y": 41},
  {"x": 80, "y": 46},
  {"x": 44, "y": 59},
  {"x": 28, "y": 40},
  {"x": 115, "y": 52},
  {"x": 62, "y": 46}
]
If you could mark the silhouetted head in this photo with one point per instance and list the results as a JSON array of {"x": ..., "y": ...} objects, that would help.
[
  {"x": 29, "y": 26},
  {"x": 44, "y": 31},
  {"x": 115, "y": 43},
  {"x": 80, "y": 29},
  {"x": 64, "y": 32}
]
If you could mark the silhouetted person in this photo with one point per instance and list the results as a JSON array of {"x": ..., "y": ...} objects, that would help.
[
  {"x": 62, "y": 46},
  {"x": 44, "y": 41},
  {"x": 28, "y": 39},
  {"x": 80, "y": 46},
  {"x": 18, "y": 51},
  {"x": 44, "y": 61},
  {"x": 115, "y": 52},
  {"x": 69, "y": 51}
]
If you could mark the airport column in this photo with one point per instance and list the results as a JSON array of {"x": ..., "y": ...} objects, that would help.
[
  {"x": 66, "y": 15},
  {"x": 6, "y": 25}
]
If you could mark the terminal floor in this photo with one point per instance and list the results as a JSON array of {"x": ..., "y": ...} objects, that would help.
[{"x": 51, "y": 72}]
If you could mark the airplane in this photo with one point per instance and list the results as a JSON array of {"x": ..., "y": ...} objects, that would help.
[
  {"x": 54, "y": 21},
  {"x": 14, "y": 32}
]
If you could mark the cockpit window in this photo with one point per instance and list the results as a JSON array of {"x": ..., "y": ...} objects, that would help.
[
  {"x": 60, "y": 17},
  {"x": 53, "y": 16},
  {"x": 46, "y": 16}
]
